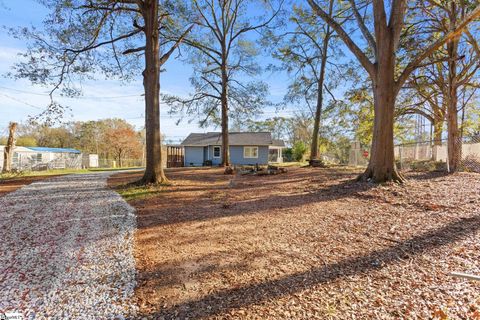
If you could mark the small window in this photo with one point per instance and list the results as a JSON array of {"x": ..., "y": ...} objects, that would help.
[
  {"x": 216, "y": 152},
  {"x": 250, "y": 152}
]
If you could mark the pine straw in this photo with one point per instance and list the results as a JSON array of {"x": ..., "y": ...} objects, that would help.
[{"x": 308, "y": 244}]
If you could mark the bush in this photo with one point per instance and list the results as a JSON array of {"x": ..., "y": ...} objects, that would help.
[
  {"x": 287, "y": 155},
  {"x": 298, "y": 151}
]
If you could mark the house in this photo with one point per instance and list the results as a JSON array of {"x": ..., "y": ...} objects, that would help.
[
  {"x": 41, "y": 158},
  {"x": 246, "y": 148}
]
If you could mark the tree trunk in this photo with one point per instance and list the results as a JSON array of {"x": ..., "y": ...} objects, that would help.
[
  {"x": 437, "y": 125},
  {"x": 151, "y": 81},
  {"x": 437, "y": 132},
  {"x": 381, "y": 167},
  {"x": 8, "y": 151},
  {"x": 314, "y": 152},
  {"x": 454, "y": 143},
  {"x": 224, "y": 102}
]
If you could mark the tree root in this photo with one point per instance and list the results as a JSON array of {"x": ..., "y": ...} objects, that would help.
[
  {"x": 153, "y": 179},
  {"x": 381, "y": 176}
]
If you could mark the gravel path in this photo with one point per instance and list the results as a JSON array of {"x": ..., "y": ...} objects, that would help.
[{"x": 66, "y": 250}]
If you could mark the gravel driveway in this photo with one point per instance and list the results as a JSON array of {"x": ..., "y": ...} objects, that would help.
[{"x": 66, "y": 250}]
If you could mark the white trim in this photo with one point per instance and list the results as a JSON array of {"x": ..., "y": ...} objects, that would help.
[
  {"x": 248, "y": 157},
  {"x": 219, "y": 153}
]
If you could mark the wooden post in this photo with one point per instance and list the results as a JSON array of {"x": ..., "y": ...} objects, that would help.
[{"x": 8, "y": 151}]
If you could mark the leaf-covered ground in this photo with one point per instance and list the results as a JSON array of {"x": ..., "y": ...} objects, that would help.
[{"x": 308, "y": 244}]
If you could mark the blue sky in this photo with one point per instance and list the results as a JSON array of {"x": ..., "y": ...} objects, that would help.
[{"x": 19, "y": 99}]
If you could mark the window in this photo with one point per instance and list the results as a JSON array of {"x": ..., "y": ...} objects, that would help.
[
  {"x": 216, "y": 152},
  {"x": 250, "y": 152}
]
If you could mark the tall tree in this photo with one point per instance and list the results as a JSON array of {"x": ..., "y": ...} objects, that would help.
[
  {"x": 430, "y": 89},
  {"x": 223, "y": 56},
  {"x": 304, "y": 53},
  {"x": 83, "y": 37},
  {"x": 461, "y": 65},
  {"x": 383, "y": 46},
  {"x": 8, "y": 151},
  {"x": 123, "y": 141}
]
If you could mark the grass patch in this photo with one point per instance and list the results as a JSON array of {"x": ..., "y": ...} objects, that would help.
[
  {"x": 56, "y": 172},
  {"x": 131, "y": 192}
]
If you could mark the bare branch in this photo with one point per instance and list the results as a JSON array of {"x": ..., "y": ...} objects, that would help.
[
  {"x": 352, "y": 46},
  {"x": 167, "y": 55},
  {"x": 437, "y": 44},
  {"x": 361, "y": 23}
]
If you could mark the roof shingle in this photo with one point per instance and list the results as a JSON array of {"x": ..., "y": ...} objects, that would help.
[{"x": 235, "y": 139}]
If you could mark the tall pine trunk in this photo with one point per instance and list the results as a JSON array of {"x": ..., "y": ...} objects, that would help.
[
  {"x": 382, "y": 166},
  {"x": 314, "y": 152},
  {"x": 8, "y": 151},
  {"x": 151, "y": 81},
  {"x": 224, "y": 103}
]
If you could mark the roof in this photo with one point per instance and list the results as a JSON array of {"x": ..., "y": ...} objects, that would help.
[
  {"x": 278, "y": 143},
  {"x": 54, "y": 150},
  {"x": 234, "y": 139}
]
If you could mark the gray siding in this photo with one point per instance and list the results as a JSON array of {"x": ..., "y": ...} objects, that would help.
[
  {"x": 198, "y": 155},
  {"x": 194, "y": 156},
  {"x": 236, "y": 156},
  {"x": 215, "y": 161}
]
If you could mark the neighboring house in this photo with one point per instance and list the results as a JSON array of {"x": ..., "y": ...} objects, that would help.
[
  {"x": 41, "y": 158},
  {"x": 246, "y": 148}
]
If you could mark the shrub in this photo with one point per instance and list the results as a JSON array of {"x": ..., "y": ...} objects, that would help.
[
  {"x": 287, "y": 155},
  {"x": 298, "y": 151}
]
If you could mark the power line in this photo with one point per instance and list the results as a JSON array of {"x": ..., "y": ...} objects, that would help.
[
  {"x": 18, "y": 100},
  {"x": 79, "y": 97}
]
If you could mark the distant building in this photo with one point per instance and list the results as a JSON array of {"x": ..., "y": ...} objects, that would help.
[
  {"x": 41, "y": 158},
  {"x": 90, "y": 161},
  {"x": 246, "y": 148}
]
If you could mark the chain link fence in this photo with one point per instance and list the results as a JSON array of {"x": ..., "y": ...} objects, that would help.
[
  {"x": 124, "y": 163},
  {"x": 24, "y": 162},
  {"x": 424, "y": 155},
  {"x": 470, "y": 154},
  {"x": 434, "y": 156}
]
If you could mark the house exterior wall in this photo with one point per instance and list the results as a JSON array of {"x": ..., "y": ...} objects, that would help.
[
  {"x": 236, "y": 156},
  {"x": 215, "y": 161},
  {"x": 205, "y": 153},
  {"x": 194, "y": 156}
]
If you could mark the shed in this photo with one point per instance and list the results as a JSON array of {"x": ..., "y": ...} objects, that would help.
[{"x": 43, "y": 158}]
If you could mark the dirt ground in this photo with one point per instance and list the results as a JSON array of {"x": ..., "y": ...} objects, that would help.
[
  {"x": 308, "y": 244},
  {"x": 12, "y": 184}
]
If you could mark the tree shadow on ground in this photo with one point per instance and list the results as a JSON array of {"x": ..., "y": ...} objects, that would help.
[
  {"x": 221, "y": 302},
  {"x": 217, "y": 202}
]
